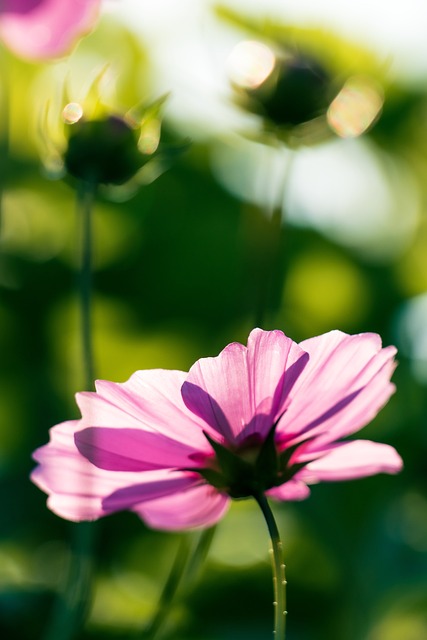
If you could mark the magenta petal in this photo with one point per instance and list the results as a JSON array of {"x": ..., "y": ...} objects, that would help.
[
  {"x": 74, "y": 485},
  {"x": 345, "y": 383},
  {"x": 149, "y": 400},
  {"x": 366, "y": 404},
  {"x": 37, "y": 29},
  {"x": 349, "y": 460},
  {"x": 292, "y": 490},
  {"x": 128, "y": 497},
  {"x": 198, "y": 506},
  {"x": 240, "y": 392},
  {"x": 74, "y": 493},
  {"x": 131, "y": 449}
]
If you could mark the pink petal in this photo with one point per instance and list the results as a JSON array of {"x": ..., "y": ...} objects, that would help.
[
  {"x": 345, "y": 383},
  {"x": 364, "y": 407},
  {"x": 75, "y": 486},
  {"x": 199, "y": 506},
  {"x": 240, "y": 392},
  {"x": 128, "y": 497},
  {"x": 77, "y": 508},
  {"x": 290, "y": 491},
  {"x": 149, "y": 400},
  {"x": 38, "y": 29},
  {"x": 132, "y": 449},
  {"x": 349, "y": 460}
]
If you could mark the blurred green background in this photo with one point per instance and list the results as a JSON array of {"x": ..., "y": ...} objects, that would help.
[{"x": 182, "y": 266}]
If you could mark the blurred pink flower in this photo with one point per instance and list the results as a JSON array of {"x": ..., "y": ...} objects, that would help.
[
  {"x": 175, "y": 447},
  {"x": 38, "y": 29}
]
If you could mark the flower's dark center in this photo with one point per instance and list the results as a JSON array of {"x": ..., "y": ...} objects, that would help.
[{"x": 250, "y": 469}]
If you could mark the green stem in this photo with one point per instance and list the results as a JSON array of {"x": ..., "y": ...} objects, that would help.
[
  {"x": 183, "y": 573},
  {"x": 199, "y": 556},
  {"x": 279, "y": 580},
  {"x": 269, "y": 293},
  {"x": 85, "y": 200},
  {"x": 169, "y": 590},
  {"x": 71, "y": 608},
  {"x": 72, "y": 605},
  {"x": 265, "y": 232},
  {"x": 5, "y": 97}
]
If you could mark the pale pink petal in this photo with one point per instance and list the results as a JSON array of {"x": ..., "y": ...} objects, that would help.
[
  {"x": 199, "y": 506},
  {"x": 349, "y": 460},
  {"x": 75, "y": 507},
  {"x": 345, "y": 383},
  {"x": 150, "y": 400},
  {"x": 75, "y": 486},
  {"x": 361, "y": 347},
  {"x": 275, "y": 364},
  {"x": 37, "y": 29},
  {"x": 128, "y": 497},
  {"x": 240, "y": 392},
  {"x": 290, "y": 491},
  {"x": 364, "y": 407},
  {"x": 341, "y": 362},
  {"x": 132, "y": 449}
]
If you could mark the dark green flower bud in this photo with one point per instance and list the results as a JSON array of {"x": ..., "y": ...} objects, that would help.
[
  {"x": 297, "y": 91},
  {"x": 103, "y": 151}
]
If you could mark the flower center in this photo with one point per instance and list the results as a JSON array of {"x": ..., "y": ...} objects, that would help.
[{"x": 251, "y": 469}]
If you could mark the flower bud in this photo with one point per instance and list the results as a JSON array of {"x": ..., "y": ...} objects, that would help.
[
  {"x": 103, "y": 150},
  {"x": 297, "y": 91}
]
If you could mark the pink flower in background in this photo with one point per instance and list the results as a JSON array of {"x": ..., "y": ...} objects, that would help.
[
  {"x": 175, "y": 447},
  {"x": 38, "y": 29}
]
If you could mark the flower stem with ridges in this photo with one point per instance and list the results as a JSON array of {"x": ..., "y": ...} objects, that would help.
[{"x": 279, "y": 579}]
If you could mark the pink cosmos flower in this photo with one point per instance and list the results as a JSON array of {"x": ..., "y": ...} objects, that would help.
[
  {"x": 38, "y": 29},
  {"x": 268, "y": 418}
]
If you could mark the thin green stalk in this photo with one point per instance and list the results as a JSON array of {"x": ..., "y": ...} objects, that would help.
[
  {"x": 271, "y": 272},
  {"x": 265, "y": 236},
  {"x": 85, "y": 201},
  {"x": 182, "y": 575},
  {"x": 169, "y": 590},
  {"x": 201, "y": 551},
  {"x": 72, "y": 606},
  {"x": 279, "y": 579},
  {"x": 73, "y": 603},
  {"x": 5, "y": 97}
]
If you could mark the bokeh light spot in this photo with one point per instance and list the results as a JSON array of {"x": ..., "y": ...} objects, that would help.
[
  {"x": 398, "y": 625},
  {"x": 325, "y": 290},
  {"x": 72, "y": 113},
  {"x": 411, "y": 328},
  {"x": 355, "y": 108},
  {"x": 250, "y": 64}
]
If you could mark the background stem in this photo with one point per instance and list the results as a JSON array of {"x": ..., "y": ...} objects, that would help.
[
  {"x": 74, "y": 602},
  {"x": 169, "y": 590},
  {"x": 85, "y": 200},
  {"x": 183, "y": 573},
  {"x": 5, "y": 98}
]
